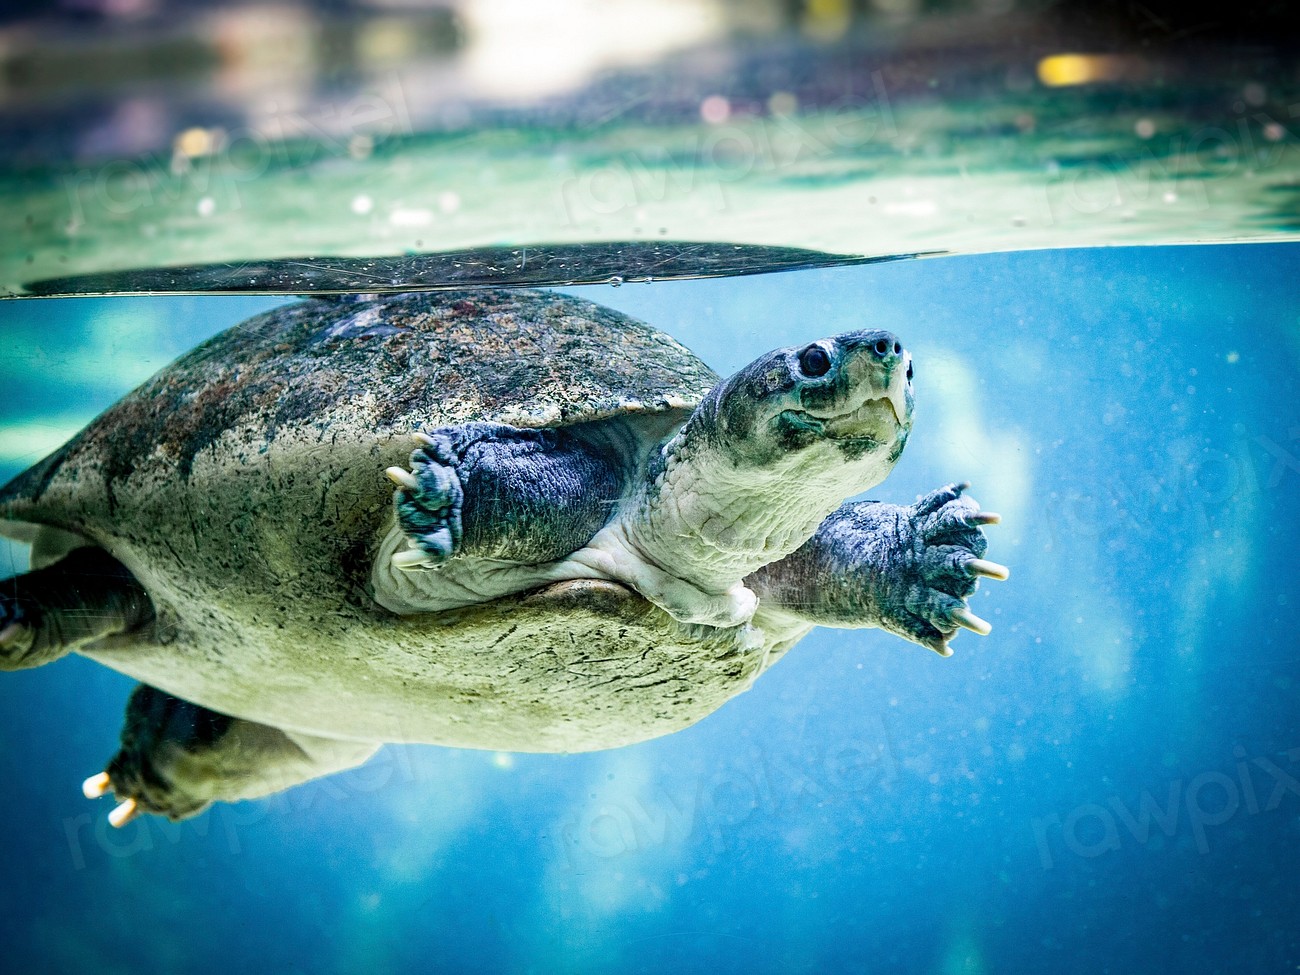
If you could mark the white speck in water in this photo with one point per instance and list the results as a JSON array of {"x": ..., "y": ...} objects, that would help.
[
  {"x": 1145, "y": 128},
  {"x": 207, "y": 206},
  {"x": 1233, "y": 357},
  {"x": 715, "y": 109},
  {"x": 1170, "y": 197},
  {"x": 448, "y": 202},
  {"x": 362, "y": 204}
]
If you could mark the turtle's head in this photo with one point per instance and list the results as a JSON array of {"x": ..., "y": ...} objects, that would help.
[
  {"x": 848, "y": 397},
  {"x": 771, "y": 451}
]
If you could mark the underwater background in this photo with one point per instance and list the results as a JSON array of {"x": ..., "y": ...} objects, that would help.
[{"x": 1110, "y": 782}]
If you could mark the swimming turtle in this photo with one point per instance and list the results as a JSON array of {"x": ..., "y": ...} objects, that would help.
[{"x": 593, "y": 540}]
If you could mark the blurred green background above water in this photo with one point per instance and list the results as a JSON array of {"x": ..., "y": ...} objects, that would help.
[{"x": 151, "y": 134}]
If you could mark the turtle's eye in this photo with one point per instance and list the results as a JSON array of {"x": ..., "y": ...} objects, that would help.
[{"x": 814, "y": 361}]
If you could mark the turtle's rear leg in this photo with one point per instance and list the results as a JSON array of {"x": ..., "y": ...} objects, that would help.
[
  {"x": 176, "y": 758},
  {"x": 83, "y": 597}
]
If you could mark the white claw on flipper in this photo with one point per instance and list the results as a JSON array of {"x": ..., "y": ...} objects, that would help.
[
  {"x": 402, "y": 478},
  {"x": 423, "y": 438},
  {"x": 123, "y": 814},
  {"x": 983, "y": 567},
  {"x": 412, "y": 558},
  {"x": 96, "y": 786},
  {"x": 964, "y": 617},
  {"x": 988, "y": 518}
]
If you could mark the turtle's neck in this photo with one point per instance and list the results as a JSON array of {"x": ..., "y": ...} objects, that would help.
[{"x": 705, "y": 517}]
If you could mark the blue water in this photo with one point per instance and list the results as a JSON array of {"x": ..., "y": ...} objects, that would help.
[{"x": 1109, "y": 783}]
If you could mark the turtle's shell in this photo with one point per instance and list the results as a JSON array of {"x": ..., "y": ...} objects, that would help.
[
  {"x": 362, "y": 371},
  {"x": 243, "y": 486}
]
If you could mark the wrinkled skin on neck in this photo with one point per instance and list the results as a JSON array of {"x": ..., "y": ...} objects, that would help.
[{"x": 771, "y": 452}]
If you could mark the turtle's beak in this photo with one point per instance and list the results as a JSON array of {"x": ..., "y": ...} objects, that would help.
[
  {"x": 875, "y": 367},
  {"x": 867, "y": 395},
  {"x": 896, "y": 393}
]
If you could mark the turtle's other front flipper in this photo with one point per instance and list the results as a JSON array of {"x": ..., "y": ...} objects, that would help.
[
  {"x": 908, "y": 569},
  {"x": 85, "y": 596},
  {"x": 176, "y": 758}
]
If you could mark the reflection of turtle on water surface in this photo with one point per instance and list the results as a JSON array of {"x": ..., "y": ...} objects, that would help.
[{"x": 594, "y": 541}]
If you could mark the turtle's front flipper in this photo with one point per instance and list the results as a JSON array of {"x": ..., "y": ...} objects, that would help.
[
  {"x": 907, "y": 569},
  {"x": 498, "y": 492},
  {"x": 485, "y": 510},
  {"x": 177, "y": 758},
  {"x": 85, "y": 596}
]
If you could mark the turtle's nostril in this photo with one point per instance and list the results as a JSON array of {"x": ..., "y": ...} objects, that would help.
[
  {"x": 882, "y": 347},
  {"x": 909, "y": 372},
  {"x": 898, "y": 348}
]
